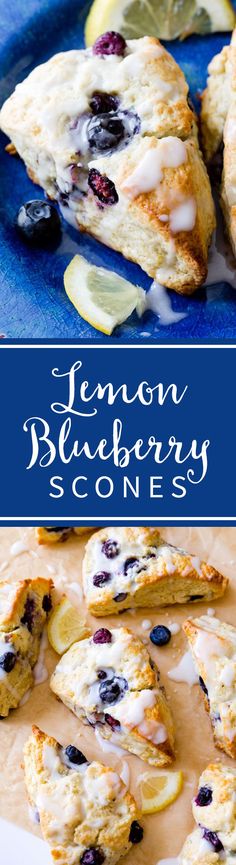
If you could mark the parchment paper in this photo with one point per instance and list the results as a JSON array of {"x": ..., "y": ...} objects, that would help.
[{"x": 166, "y": 831}]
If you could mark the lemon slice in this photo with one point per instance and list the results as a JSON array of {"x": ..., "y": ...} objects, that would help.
[
  {"x": 101, "y": 297},
  {"x": 158, "y": 791},
  {"x": 165, "y": 19},
  {"x": 66, "y": 626}
]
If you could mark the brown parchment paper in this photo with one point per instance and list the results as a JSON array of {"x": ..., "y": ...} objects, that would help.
[{"x": 164, "y": 832}]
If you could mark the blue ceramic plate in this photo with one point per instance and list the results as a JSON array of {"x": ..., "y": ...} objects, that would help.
[{"x": 33, "y": 303}]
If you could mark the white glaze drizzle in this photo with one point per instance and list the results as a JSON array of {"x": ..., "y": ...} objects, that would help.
[{"x": 184, "y": 671}]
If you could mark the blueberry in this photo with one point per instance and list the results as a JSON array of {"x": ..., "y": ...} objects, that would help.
[
  {"x": 136, "y": 832},
  {"x": 58, "y": 529},
  {"x": 74, "y": 755},
  {"x": 92, "y": 856},
  {"x": 102, "y": 187},
  {"x": 101, "y": 674},
  {"x": 131, "y": 562},
  {"x": 213, "y": 839},
  {"x": 47, "y": 603},
  {"x": 28, "y": 617},
  {"x": 112, "y": 690},
  {"x": 160, "y": 635},
  {"x": 105, "y": 132},
  {"x": 101, "y": 578},
  {"x": 103, "y": 103},
  {"x": 110, "y": 549},
  {"x": 120, "y": 597},
  {"x": 113, "y": 723},
  {"x": 7, "y": 662},
  {"x": 110, "y": 43},
  {"x": 39, "y": 223},
  {"x": 204, "y": 797},
  {"x": 196, "y": 597},
  {"x": 203, "y": 686},
  {"x": 102, "y": 636}
]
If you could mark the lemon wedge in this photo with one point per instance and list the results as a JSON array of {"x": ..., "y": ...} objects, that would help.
[
  {"x": 66, "y": 626},
  {"x": 166, "y": 19},
  {"x": 159, "y": 790},
  {"x": 101, "y": 297}
]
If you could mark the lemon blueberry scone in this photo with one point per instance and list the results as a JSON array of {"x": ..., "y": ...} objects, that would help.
[
  {"x": 110, "y": 681},
  {"x": 54, "y": 534},
  {"x": 108, "y": 133},
  {"x": 219, "y": 127},
  {"x": 135, "y": 567},
  {"x": 24, "y": 607},
  {"x": 85, "y": 812},
  {"x": 213, "y": 647},
  {"x": 214, "y": 810}
]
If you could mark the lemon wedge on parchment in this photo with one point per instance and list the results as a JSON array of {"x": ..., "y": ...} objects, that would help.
[
  {"x": 66, "y": 626},
  {"x": 159, "y": 790}
]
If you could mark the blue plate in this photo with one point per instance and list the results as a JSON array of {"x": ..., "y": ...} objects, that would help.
[{"x": 33, "y": 303}]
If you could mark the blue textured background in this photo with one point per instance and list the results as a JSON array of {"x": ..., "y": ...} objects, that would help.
[{"x": 33, "y": 303}]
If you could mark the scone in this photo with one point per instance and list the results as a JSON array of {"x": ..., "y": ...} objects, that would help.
[
  {"x": 85, "y": 813},
  {"x": 135, "y": 567},
  {"x": 109, "y": 134},
  {"x": 214, "y": 810},
  {"x": 23, "y": 611},
  {"x": 219, "y": 127},
  {"x": 54, "y": 534},
  {"x": 213, "y": 647},
  {"x": 110, "y": 681}
]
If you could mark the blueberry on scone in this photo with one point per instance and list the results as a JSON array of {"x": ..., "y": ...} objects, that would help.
[
  {"x": 110, "y": 681},
  {"x": 85, "y": 812},
  {"x": 214, "y": 839},
  {"x": 109, "y": 134},
  {"x": 213, "y": 647},
  {"x": 135, "y": 567},
  {"x": 24, "y": 608},
  {"x": 54, "y": 534}
]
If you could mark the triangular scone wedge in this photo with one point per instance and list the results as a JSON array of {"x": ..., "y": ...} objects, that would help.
[
  {"x": 53, "y": 534},
  {"x": 219, "y": 128},
  {"x": 85, "y": 812},
  {"x": 135, "y": 567},
  {"x": 24, "y": 607},
  {"x": 111, "y": 681},
  {"x": 214, "y": 810},
  {"x": 114, "y": 141},
  {"x": 213, "y": 647}
]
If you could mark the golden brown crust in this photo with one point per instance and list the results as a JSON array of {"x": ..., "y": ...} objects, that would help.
[
  {"x": 74, "y": 814},
  {"x": 164, "y": 576}
]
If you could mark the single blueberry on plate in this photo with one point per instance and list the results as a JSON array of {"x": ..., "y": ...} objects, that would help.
[
  {"x": 102, "y": 187},
  {"x": 74, "y": 755},
  {"x": 92, "y": 856},
  {"x": 204, "y": 797},
  {"x": 136, "y": 832},
  {"x": 7, "y": 662},
  {"x": 101, "y": 578},
  {"x": 113, "y": 723},
  {"x": 102, "y": 636},
  {"x": 47, "y": 603},
  {"x": 160, "y": 635},
  {"x": 110, "y": 549},
  {"x": 120, "y": 597},
  {"x": 103, "y": 103},
  {"x": 203, "y": 686},
  {"x": 110, "y": 43},
  {"x": 39, "y": 223},
  {"x": 112, "y": 690},
  {"x": 213, "y": 839}
]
